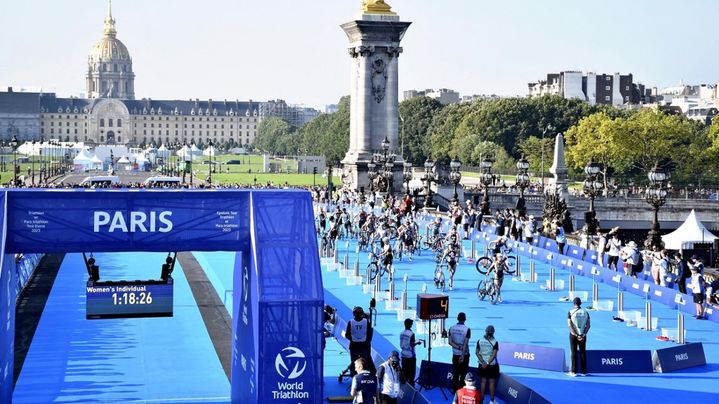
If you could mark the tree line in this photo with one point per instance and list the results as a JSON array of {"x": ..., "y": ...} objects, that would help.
[{"x": 627, "y": 142}]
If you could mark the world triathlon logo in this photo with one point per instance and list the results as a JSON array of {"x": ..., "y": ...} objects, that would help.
[{"x": 290, "y": 358}]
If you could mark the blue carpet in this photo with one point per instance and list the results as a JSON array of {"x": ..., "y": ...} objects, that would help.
[
  {"x": 531, "y": 315},
  {"x": 153, "y": 360}
]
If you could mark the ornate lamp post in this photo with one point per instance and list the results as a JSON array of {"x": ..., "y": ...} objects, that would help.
[
  {"x": 455, "y": 176},
  {"x": 656, "y": 195},
  {"x": 385, "y": 164},
  {"x": 2, "y": 155},
  {"x": 429, "y": 176},
  {"x": 371, "y": 174},
  {"x": 522, "y": 182},
  {"x": 16, "y": 168},
  {"x": 32, "y": 163},
  {"x": 330, "y": 185},
  {"x": 407, "y": 175},
  {"x": 592, "y": 188},
  {"x": 486, "y": 179}
]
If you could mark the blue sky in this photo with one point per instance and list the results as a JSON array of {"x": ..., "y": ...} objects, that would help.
[{"x": 295, "y": 50}]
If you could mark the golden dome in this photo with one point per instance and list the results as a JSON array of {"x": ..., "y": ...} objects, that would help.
[{"x": 109, "y": 47}]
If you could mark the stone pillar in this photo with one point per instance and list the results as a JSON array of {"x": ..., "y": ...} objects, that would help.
[
  {"x": 559, "y": 168},
  {"x": 374, "y": 89}
]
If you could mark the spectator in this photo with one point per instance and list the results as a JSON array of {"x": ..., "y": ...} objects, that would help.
[
  {"x": 560, "y": 237},
  {"x": 529, "y": 227},
  {"x": 364, "y": 384},
  {"x": 390, "y": 377},
  {"x": 579, "y": 323},
  {"x": 602, "y": 246},
  {"x": 468, "y": 394},
  {"x": 615, "y": 247},
  {"x": 459, "y": 336},
  {"x": 696, "y": 261},
  {"x": 712, "y": 293},
  {"x": 409, "y": 356},
  {"x": 629, "y": 256},
  {"x": 682, "y": 271},
  {"x": 488, "y": 369},
  {"x": 696, "y": 284}
]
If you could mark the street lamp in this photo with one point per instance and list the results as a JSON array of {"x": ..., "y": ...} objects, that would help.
[
  {"x": 592, "y": 188},
  {"x": 455, "y": 176},
  {"x": 656, "y": 195},
  {"x": 371, "y": 174},
  {"x": 32, "y": 163},
  {"x": 209, "y": 168},
  {"x": 407, "y": 174},
  {"x": 429, "y": 176},
  {"x": 486, "y": 179},
  {"x": 330, "y": 185},
  {"x": 522, "y": 182},
  {"x": 16, "y": 168},
  {"x": 544, "y": 132},
  {"x": 384, "y": 162}
]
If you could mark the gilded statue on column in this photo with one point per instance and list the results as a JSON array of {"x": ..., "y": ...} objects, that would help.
[{"x": 376, "y": 7}]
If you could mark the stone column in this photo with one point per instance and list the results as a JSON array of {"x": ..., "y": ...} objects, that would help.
[{"x": 374, "y": 48}]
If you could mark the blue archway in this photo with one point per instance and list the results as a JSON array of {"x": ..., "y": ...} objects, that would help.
[{"x": 278, "y": 299}]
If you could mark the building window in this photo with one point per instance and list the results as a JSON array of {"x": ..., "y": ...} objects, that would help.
[
  {"x": 607, "y": 78},
  {"x": 607, "y": 88},
  {"x": 109, "y": 122},
  {"x": 119, "y": 122},
  {"x": 102, "y": 122},
  {"x": 607, "y": 98},
  {"x": 626, "y": 88}
]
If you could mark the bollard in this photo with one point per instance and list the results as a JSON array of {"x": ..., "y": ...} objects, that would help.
[
  {"x": 551, "y": 279},
  {"x": 571, "y": 283},
  {"x": 474, "y": 249},
  {"x": 595, "y": 294},
  {"x": 369, "y": 275},
  {"x": 356, "y": 269},
  {"x": 486, "y": 249},
  {"x": 346, "y": 262},
  {"x": 404, "y": 300},
  {"x": 378, "y": 283},
  {"x": 441, "y": 327},
  {"x": 648, "y": 313},
  {"x": 620, "y": 302},
  {"x": 680, "y": 329},
  {"x": 391, "y": 289},
  {"x": 334, "y": 253},
  {"x": 532, "y": 272},
  {"x": 519, "y": 267}
]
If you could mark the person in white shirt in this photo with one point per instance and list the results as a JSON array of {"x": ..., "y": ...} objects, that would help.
[
  {"x": 615, "y": 248},
  {"x": 389, "y": 376}
]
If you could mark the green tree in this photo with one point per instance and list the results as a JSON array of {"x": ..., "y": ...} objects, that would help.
[
  {"x": 269, "y": 132},
  {"x": 536, "y": 150},
  {"x": 328, "y": 134},
  {"x": 441, "y": 131},
  {"x": 416, "y": 117},
  {"x": 594, "y": 138}
]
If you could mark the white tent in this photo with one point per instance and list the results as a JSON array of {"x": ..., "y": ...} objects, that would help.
[
  {"x": 185, "y": 153},
  {"x": 83, "y": 161},
  {"x": 690, "y": 232},
  {"x": 95, "y": 162},
  {"x": 210, "y": 151},
  {"x": 163, "y": 152},
  {"x": 195, "y": 151}
]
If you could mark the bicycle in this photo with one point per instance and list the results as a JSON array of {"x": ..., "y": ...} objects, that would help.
[
  {"x": 374, "y": 266},
  {"x": 439, "y": 279},
  {"x": 485, "y": 262},
  {"x": 487, "y": 288}
]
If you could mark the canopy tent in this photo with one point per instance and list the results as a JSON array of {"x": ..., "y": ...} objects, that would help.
[
  {"x": 83, "y": 161},
  {"x": 210, "y": 151},
  {"x": 195, "y": 151},
  {"x": 123, "y": 160},
  {"x": 140, "y": 159},
  {"x": 185, "y": 153},
  {"x": 163, "y": 152},
  {"x": 690, "y": 232}
]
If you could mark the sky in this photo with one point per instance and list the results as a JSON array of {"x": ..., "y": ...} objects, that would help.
[{"x": 296, "y": 51}]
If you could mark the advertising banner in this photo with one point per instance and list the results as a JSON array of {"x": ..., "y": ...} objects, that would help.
[
  {"x": 107, "y": 221},
  {"x": 603, "y": 361},
  {"x": 680, "y": 357},
  {"x": 7, "y": 312},
  {"x": 532, "y": 356}
]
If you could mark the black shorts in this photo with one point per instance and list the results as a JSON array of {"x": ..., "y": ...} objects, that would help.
[
  {"x": 698, "y": 298},
  {"x": 490, "y": 372},
  {"x": 387, "y": 260}
]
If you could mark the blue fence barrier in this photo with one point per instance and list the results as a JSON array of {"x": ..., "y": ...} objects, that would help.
[
  {"x": 25, "y": 265},
  {"x": 680, "y": 357}
]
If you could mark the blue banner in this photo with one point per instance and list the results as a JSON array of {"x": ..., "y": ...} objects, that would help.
[
  {"x": 680, "y": 357},
  {"x": 604, "y": 361},
  {"x": 532, "y": 356},
  {"x": 244, "y": 322},
  {"x": 7, "y": 312},
  {"x": 108, "y": 221}
]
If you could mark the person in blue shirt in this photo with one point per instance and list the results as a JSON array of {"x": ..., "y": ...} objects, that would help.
[
  {"x": 364, "y": 385},
  {"x": 561, "y": 238}
]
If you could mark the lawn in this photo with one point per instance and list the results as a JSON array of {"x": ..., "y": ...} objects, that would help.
[{"x": 276, "y": 179}]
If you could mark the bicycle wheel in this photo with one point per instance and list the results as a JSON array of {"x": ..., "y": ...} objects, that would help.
[
  {"x": 372, "y": 267},
  {"x": 492, "y": 291},
  {"x": 483, "y": 264},
  {"x": 482, "y": 289},
  {"x": 511, "y": 264}
]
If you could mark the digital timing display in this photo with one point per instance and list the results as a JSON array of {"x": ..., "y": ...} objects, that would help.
[{"x": 127, "y": 299}]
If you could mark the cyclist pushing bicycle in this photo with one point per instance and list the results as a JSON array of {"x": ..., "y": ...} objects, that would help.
[
  {"x": 451, "y": 256},
  {"x": 499, "y": 266}
]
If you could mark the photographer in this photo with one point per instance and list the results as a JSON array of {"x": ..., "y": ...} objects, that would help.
[
  {"x": 390, "y": 377},
  {"x": 359, "y": 334}
]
